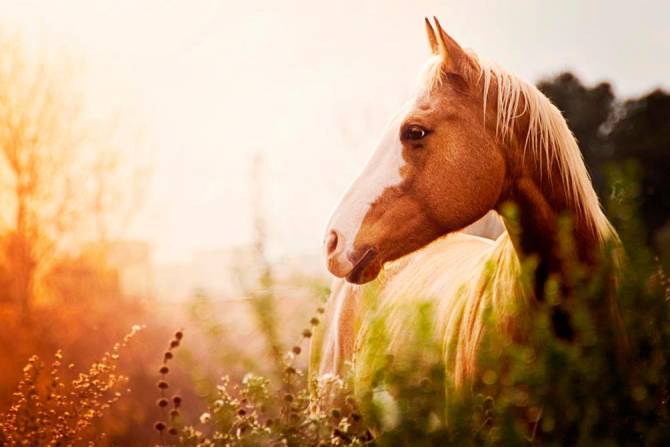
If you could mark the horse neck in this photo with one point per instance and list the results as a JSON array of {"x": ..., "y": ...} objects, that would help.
[{"x": 542, "y": 199}]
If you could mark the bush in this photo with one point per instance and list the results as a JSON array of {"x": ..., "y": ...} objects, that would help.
[{"x": 48, "y": 409}]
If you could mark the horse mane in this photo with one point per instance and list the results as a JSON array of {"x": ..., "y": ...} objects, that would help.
[{"x": 548, "y": 138}]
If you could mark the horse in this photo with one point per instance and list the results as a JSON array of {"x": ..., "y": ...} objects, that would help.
[{"x": 422, "y": 223}]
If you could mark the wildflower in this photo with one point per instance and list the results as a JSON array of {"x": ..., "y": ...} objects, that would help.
[{"x": 205, "y": 418}]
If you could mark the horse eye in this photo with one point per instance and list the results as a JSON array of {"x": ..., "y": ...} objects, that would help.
[{"x": 414, "y": 133}]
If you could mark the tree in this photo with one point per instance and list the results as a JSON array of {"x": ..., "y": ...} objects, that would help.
[
  {"x": 614, "y": 132},
  {"x": 56, "y": 166},
  {"x": 587, "y": 110},
  {"x": 642, "y": 133}
]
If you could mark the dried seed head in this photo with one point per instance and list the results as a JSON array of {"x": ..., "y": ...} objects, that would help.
[
  {"x": 179, "y": 335},
  {"x": 162, "y": 384},
  {"x": 164, "y": 370},
  {"x": 173, "y": 431},
  {"x": 162, "y": 402},
  {"x": 167, "y": 356},
  {"x": 296, "y": 350},
  {"x": 314, "y": 321},
  {"x": 205, "y": 418},
  {"x": 174, "y": 344},
  {"x": 160, "y": 426},
  {"x": 307, "y": 333},
  {"x": 176, "y": 400}
]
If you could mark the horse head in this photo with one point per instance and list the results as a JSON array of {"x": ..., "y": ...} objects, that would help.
[{"x": 438, "y": 168}]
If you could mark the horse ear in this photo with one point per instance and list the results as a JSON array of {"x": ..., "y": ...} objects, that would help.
[
  {"x": 453, "y": 56},
  {"x": 432, "y": 39}
]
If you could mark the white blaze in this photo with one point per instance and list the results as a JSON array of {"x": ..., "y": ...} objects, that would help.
[{"x": 382, "y": 171}]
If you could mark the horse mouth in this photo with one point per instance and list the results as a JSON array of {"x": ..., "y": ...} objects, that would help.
[{"x": 361, "y": 274}]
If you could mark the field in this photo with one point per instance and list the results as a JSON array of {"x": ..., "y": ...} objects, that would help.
[{"x": 166, "y": 173}]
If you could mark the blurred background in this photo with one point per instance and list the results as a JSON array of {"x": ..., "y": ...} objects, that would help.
[{"x": 173, "y": 163}]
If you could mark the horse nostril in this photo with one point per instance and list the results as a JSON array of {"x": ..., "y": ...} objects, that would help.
[{"x": 331, "y": 242}]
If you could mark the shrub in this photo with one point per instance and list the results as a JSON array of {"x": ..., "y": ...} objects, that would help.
[{"x": 48, "y": 409}]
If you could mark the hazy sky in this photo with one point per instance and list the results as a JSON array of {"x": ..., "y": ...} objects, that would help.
[{"x": 308, "y": 84}]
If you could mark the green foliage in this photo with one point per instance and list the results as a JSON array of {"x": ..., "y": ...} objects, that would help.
[
  {"x": 252, "y": 414},
  {"x": 255, "y": 412}
]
